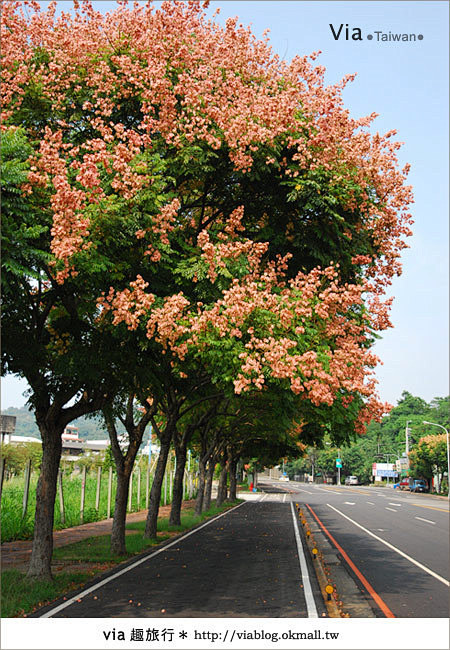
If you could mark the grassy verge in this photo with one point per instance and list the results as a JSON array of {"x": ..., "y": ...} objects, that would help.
[
  {"x": 21, "y": 596},
  {"x": 97, "y": 549}
]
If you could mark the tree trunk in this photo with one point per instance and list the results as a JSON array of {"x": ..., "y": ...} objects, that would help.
[
  {"x": 233, "y": 482},
  {"x": 209, "y": 482},
  {"x": 240, "y": 471},
  {"x": 151, "y": 525},
  {"x": 42, "y": 549},
  {"x": 118, "y": 545},
  {"x": 177, "y": 496},
  {"x": 222, "y": 488},
  {"x": 124, "y": 466},
  {"x": 201, "y": 487}
]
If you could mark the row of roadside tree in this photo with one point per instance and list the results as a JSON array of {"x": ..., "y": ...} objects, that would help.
[{"x": 196, "y": 236}]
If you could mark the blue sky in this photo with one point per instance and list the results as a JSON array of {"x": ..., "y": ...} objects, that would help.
[{"x": 407, "y": 84}]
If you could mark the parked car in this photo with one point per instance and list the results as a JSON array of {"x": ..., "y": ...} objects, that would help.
[
  {"x": 283, "y": 477},
  {"x": 352, "y": 480}
]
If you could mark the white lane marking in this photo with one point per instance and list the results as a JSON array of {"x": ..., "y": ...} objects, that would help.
[
  {"x": 394, "y": 548},
  {"x": 84, "y": 593},
  {"x": 381, "y": 530},
  {"x": 265, "y": 495},
  {"x": 350, "y": 503},
  {"x": 302, "y": 490},
  {"x": 370, "y": 502},
  {"x": 391, "y": 509},
  {"x": 284, "y": 498},
  {"x": 394, "y": 504},
  {"x": 427, "y": 520},
  {"x": 310, "y": 603}
]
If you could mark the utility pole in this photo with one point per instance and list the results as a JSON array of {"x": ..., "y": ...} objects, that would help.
[
  {"x": 339, "y": 467},
  {"x": 407, "y": 437}
]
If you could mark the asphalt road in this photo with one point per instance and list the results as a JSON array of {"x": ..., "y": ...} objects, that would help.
[
  {"x": 398, "y": 540},
  {"x": 245, "y": 563}
]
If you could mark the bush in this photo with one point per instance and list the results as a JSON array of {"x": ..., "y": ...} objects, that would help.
[{"x": 17, "y": 456}]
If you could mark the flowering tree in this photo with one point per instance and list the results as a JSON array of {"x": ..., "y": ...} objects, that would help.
[
  {"x": 49, "y": 333},
  {"x": 429, "y": 457},
  {"x": 216, "y": 201}
]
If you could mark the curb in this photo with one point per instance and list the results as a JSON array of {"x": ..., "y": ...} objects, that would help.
[
  {"x": 346, "y": 599},
  {"x": 330, "y": 600}
]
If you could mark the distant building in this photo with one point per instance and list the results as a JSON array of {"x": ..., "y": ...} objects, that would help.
[
  {"x": 72, "y": 445},
  {"x": 18, "y": 440},
  {"x": 154, "y": 449},
  {"x": 7, "y": 427},
  {"x": 71, "y": 434}
]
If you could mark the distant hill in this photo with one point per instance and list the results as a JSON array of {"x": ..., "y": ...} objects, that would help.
[{"x": 90, "y": 429}]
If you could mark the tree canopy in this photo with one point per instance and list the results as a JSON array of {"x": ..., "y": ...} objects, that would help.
[
  {"x": 192, "y": 210},
  {"x": 385, "y": 441}
]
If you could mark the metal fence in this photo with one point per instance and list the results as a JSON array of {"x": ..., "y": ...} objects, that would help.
[{"x": 88, "y": 494}]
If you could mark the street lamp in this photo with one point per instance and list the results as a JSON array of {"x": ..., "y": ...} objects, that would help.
[{"x": 434, "y": 424}]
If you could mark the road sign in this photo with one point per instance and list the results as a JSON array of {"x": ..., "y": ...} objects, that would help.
[
  {"x": 386, "y": 473},
  {"x": 338, "y": 462}
]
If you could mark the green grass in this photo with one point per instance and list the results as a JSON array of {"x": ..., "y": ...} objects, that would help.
[
  {"x": 97, "y": 549},
  {"x": 14, "y": 526},
  {"x": 21, "y": 595},
  {"x": 188, "y": 518}
]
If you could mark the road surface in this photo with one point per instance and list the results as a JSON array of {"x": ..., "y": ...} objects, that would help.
[
  {"x": 246, "y": 563},
  {"x": 251, "y": 562},
  {"x": 398, "y": 540}
]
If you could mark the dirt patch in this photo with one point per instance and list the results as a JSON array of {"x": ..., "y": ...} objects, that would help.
[{"x": 81, "y": 567}]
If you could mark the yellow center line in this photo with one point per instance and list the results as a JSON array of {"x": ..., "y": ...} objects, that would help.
[
  {"x": 419, "y": 505},
  {"x": 329, "y": 487},
  {"x": 355, "y": 490}
]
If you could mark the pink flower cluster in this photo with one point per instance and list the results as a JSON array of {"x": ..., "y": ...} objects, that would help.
[{"x": 194, "y": 81}]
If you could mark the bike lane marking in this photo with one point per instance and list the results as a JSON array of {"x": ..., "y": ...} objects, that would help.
[
  {"x": 309, "y": 597},
  {"x": 97, "y": 585}
]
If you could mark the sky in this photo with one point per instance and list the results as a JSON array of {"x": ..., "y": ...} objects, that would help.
[{"x": 406, "y": 83}]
